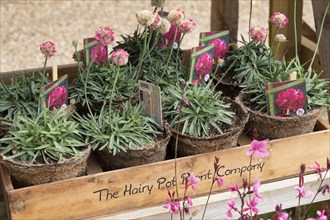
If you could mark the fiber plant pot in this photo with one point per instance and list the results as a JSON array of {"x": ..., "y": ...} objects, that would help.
[
  {"x": 190, "y": 145},
  {"x": 153, "y": 152},
  {"x": 265, "y": 126},
  {"x": 34, "y": 174}
]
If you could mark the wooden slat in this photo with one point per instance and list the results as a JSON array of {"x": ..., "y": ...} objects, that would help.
[
  {"x": 324, "y": 47},
  {"x": 93, "y": 167},
  {"x": 286, "y": 7},
  {"x": 273, "y": 193},
  {"x": 6, "y": 186},
  {"x": 224, "y": 16},
  {"x": 80, "y": 197},
  {"x": 307, "y": 51},
  {"x": 308, "y": 32}
]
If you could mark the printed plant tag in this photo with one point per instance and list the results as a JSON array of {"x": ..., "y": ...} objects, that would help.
[
  {"x": 56, "y": 93},
  {"x": 92, "y": 51},
  {"x": 221, "y": 39},
  {"x": 150, "y": 98},
  {"x": 201, "y": 63},
  {"x": 287, "y": 99}
]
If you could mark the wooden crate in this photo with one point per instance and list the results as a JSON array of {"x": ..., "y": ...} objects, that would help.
[{"x": 107, "y": 193}]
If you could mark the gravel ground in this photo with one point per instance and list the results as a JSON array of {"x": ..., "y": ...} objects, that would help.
[{"x": 26, "y": 24}]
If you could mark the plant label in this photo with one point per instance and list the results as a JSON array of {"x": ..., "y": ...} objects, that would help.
[
  {"x": 150, "y": 99},
  {"x": 287, "y": 99},
  {"x": 201, "y": 63},
  {"x": 55, "y": 93}
]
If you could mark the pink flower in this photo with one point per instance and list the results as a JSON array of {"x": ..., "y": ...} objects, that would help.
[
  {"x": 318, "y": 168},
  {"x": 188, "y": 26},
  {"x": 145, "y": 17},
  {"x": 99, "y": 54},
  {"x": 220, "y": 182},
  {"x": 258, "y": 149},
  {"x": 258, "y": 34},
  {"x": 279, "y": 20},
  {"x": 302, "y": 192},
  {"x": 48, "y": 49},
  {"x": 256, "y": 188},
  {"x": 104, "y": 36},
  {"x": 252, "y": 205},
  {"x": 231, "y": 204},
  {"x": 220, "y": 49},
  {"x": 321, "y": 215},
  {"x": 119, "y": 57},
  {"x": 290, "y": 100},
  {"x": 204, "y": 65},
  {"x": 169, "y": 35},
  {"x": 280, "y": 38},
  {"x": 172, "y": 206},
  {"x": 157, "y": 22},
  {"x": 176, "y": 16},
  {"x": 192, "y": 180},
  {"x": 57, "y": 98},
  {"x": 185, "y": 101},
  {"x": 188, "y": 203},
  {"x": 233, "y": 188},
  {"x": 325, "y": 189},
  {"x": 279, "y": 215}
]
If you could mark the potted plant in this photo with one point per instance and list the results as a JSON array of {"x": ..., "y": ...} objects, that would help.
[
  {"x": 293, "y": 122},
  {"x": 200, "y": 120}
]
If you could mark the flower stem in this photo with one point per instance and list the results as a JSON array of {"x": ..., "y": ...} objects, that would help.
[
  {"x": 250, "y": 18},
  {"x": 209, "y": 195},
  {"x": 113, "y": 89},
  {"x": 319, "y": 38},
  {"x": 170, "y": 55},
  {"x": 295, "y": 27},
  {"x": 143, "y": 53},
  {"x": 44, "y": 72}
]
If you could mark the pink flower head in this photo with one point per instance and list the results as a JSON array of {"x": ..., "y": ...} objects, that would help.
[
  {"x": 258, "y": 149},
  {"x": 104, "y": 36},
  {"x": 279, "y": 20},
  {"x": 176, "y": 16},
  {"x": 57, "y": 98},
  {"x": 252, "y": 205},
  {"x": 220, "y": 182},
  {"x": 185, "y": 101},
  {"x": 119, "y": 57},
  {"x": 157, "y": 22},
  {"x": 325, "y": 189},
  {"x": 279, "y": 215},
  {"x": 164, "y": 26},
  {"x": 204, "y": 65},
  {"x": 99, "y": 54},
  {"x": 220, "y": 49},
  {"x": 188, "y": 26},
  {"x": 145, "y": 17},
  {"x": 169, "y": 35},
  {"x": 321, "y": 215},
  {"x": 234, "y": 188},
  {"x": 48, "y": 49},
  {"x": 256, "y": 189},
  {"x": 302, "y": 192},
  {"x": 290, "y": 100},
  {"x": 172, "y": 206},
  {"x": 258, "y": 34},
  {"x": 192, "y": 180},
  {"x": 231, "y": 204},
  {"x": 317, "y": 168}
]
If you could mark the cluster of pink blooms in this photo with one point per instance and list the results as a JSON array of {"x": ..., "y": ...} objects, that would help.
[
  {"x": 173, "y": 205},
  {"x": 290, "y": 100},
  {"x": 204, "y": 66},
  {"x": 258, "y": 149},
  {"x": 169, "y": 36},
  {"x": 48, "y": 49},
  {"x": 220, "y": 50},
  {"x": 104, "y": 36},
  {"x": 99, "y": 54},
  {"x": 157, "y": 21},
  {"x": 147, "y": 18},
  {"x": 279, "y": 20},
  {"x": 57, "y": 98},
  {"x": 119, "y": 57},
  {"x": 187, "y": 26},
  {"x": 258, "y": 34},
  {"x": 176, "y": 16}
]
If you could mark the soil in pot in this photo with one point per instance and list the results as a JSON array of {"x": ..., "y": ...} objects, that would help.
[
  {"x": 190, "y": 145},
  {"x": 33, "y": 174},
  {"x": 227, "y": 85},
  {"x": 153, "y": 152}
]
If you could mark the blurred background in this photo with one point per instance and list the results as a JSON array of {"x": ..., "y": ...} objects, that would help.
[{"x": 27, "y": 23}]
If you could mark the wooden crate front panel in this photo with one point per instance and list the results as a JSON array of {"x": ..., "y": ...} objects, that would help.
[{"x": 133, "y": 188}]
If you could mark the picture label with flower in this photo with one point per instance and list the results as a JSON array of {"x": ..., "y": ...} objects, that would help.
[
  {"x": 287, "y": 99},
  {"x": 220, "y": 41},
  {"x": 201, "y": 63},
  {"x": 93, "y": 51},
  {"x": 150, "y": 99},
  {"x": 56, "y": 93}
]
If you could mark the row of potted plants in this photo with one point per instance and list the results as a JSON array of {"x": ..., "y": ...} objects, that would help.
[{"x": 105, "y": 113}]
